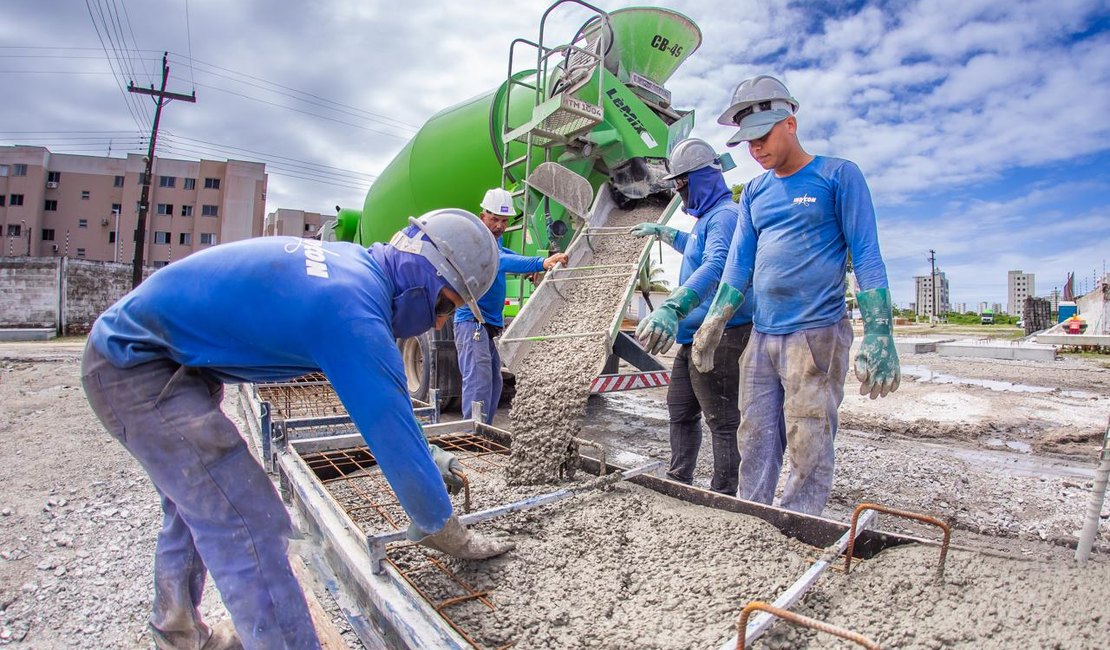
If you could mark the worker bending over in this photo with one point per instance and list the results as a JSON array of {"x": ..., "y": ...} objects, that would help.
[
  {"x": 696, "y": 171},
  {"x": 479, "y": 361},
  {"x": 261, "y": 310}
]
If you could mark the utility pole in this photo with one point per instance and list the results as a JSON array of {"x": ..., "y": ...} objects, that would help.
[
  {"x": 161, "y": 98},
  {"x": 933, "y": 281}
]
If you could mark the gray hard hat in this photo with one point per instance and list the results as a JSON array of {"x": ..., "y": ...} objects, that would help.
[
  {"x": 689, "y": 155},
  {"x": 459, "y": 246},
  {"x": 754, "y": 91}
]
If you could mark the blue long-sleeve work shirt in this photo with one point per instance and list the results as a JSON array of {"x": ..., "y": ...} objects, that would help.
[
  {"x": 704, "y": 252},
  {"x": 492, "y": 304},
  {"x": 792, "y": 242},
  {"x": 273, "y": 308}
]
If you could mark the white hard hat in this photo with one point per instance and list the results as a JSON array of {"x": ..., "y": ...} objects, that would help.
[
  {"x": 459, "y": 246},
  {"x": 754, "y": 91},
  {"x": 691, "y": 154},
  {"x": 499, "y": 202}
]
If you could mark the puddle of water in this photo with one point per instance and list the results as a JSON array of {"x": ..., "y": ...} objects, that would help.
[
  {"x": 924, "y": 374},
  {"x": 1016, "y": 445},
  {"x": 633, "y": 402},
  {"x": 1013, "y": 464}
]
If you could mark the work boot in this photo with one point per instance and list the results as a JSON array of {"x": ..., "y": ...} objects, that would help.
[
  {"x": 221, "y": 636},
  {"x": 454, "y": 539},
  {"x": 224, "y": 637}
]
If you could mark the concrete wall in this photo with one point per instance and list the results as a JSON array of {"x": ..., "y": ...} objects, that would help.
[
  {"x": 28, "y": 292},
  {"x": 63, "y": 293}
]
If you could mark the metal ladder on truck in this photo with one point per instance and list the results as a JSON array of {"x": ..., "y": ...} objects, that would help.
[{"x": 557, "y": 118}]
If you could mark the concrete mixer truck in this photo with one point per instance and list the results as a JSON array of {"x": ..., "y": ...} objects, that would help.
[{"x": 595, "y": 105}]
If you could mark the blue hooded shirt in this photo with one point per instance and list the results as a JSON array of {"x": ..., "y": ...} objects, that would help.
[
  {"x": 705, "y": 248},
  {"x": 273, "y": 308}
]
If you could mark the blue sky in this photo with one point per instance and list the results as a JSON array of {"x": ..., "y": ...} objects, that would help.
[{"x": 980, "y": 125}]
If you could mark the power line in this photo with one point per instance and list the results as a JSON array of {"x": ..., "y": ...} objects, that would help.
[
  {"x": 388, "y": 121},
  {"x": 216, "y": 145},
  {"x": 116, "y": 56},
  {"x": 316, "y": 173},
  {"x": 189, "y": 40},
  {"x": 126, "y": 96}
]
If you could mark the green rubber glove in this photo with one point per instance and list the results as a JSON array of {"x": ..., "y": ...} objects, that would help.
[
  {"x": 725, "y": 304},
  {"x": 665, "y": 233},
  {"x": 877, "y": 360},
  {"x": 657, "y": 332},
  {"x": 449, "y": 468}
]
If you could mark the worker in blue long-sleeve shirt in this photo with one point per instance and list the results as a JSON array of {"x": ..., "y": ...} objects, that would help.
[
  {"x": 697, "y": 173},
  {"x": 271, "y": 309},
  {"x": 479, "y": 361},
  {"x": 798, "y": 222}
]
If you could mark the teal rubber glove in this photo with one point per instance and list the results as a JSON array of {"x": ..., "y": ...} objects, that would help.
[
  {"x": 657, "y": 332},
  {"x": 449, "y": 468},
  {"x": 665, "y": 233},
  {"x": 877, "y": 365},
  {"x": 708, "y": 336}
]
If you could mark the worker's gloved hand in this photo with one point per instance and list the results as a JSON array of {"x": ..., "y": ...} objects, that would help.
[
  {"x": 877, "y": 360},
  {"x": 455, "y": 539},
  {"x": 656, "y": 332},
  {"x": 725, "y": 304},
  {"x": 665, "y": 233},
  {"x": 449, "y": 468},
  {"x": 557, "y": 258}
]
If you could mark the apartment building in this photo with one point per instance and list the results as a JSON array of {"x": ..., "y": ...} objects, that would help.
[
  {"x": 926, "y": 288},
  {"x": 1019, "y": 287},
  {"x": 88, "y": 206},
  {"x": 296, "y": 223}
]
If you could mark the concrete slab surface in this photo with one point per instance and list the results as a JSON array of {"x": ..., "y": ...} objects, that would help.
[
  {"x": 28, "y": 334},
  {"x": 991, "y": 349}
]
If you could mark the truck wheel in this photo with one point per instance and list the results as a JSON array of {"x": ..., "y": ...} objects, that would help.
[{"x": 416, "y": 354}]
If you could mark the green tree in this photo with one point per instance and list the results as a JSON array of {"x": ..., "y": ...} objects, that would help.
[{"x": 736, "y": 191}]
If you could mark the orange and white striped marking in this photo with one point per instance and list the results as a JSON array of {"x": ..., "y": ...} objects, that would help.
[{"x": 631, "y": 381}]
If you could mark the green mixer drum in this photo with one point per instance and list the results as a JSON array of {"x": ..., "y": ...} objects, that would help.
[{"x": 449, "y": 163}]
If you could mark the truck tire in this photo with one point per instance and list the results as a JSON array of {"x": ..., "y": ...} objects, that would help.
[{"x": 416, "y": 353}]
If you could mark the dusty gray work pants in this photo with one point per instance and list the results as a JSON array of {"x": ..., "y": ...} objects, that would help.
[
  {"x": 713, "y": 394},
  {"x": 794, "y": 380},
  {"x": 220, "y": 510}
]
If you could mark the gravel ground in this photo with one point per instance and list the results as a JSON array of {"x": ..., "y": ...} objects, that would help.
[{"x": 78, "y": 516}]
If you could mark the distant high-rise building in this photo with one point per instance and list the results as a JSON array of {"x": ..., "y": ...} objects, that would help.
[
  {"x": 1053, "y": 299},
  {"x": 88, "y": 206},
  {"x": 997, "y": 307},
  {"x": 925, "y": 294},
  {"x": 1020, "y": 287},
  {"x": 961, "y": 307},
  {"x": 983, "y": 306}
]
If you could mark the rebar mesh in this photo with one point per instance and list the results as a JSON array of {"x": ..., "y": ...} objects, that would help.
[{"x": 353, "y": 479}]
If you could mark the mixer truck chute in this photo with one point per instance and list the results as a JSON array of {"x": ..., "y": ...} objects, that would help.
[{"x": 595, "y": 105}]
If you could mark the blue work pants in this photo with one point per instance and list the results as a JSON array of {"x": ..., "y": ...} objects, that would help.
[
  {"x": 220, "y": 509},
  {"x": 715, "y": 395},
  {"x": 480, "y": 365},
  {"x": 794, "y": 381}
]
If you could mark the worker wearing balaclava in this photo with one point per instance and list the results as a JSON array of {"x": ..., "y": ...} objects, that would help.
[
  {"x": 262, "y": 310},
  {"x": 696, "y": 171}
]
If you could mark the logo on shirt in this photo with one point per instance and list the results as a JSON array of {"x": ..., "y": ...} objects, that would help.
[
  {"x": 315, "y": 264},
  {"x": 805, "y": 200}
]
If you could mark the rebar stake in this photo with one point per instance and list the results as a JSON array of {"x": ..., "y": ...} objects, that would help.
[
  {"x": 797, "y": 619},
  {"x": 898, "y": 513}
]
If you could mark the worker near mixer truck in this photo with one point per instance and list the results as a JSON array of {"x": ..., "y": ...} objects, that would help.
[
  {"x": 479, "y": 361},
  {"x": 270, "y": 309},
  {"x": 798, "y": 223},
  {"x": 696, "y": 171}
]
